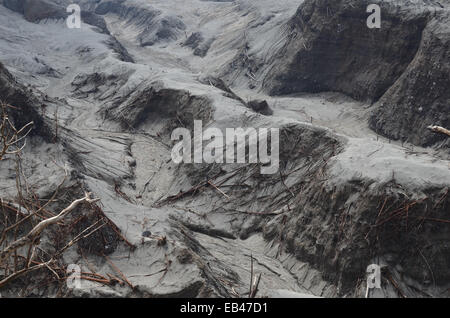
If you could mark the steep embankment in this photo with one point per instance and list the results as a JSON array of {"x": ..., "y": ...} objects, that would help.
[
  {"x": 421, "y": 96},
  {"x": 403, "y": 66},
  {"x": 26, "y": 105}
]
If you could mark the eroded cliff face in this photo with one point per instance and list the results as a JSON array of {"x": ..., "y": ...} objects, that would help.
[
  {"x": 331, "y": 48},
  {"x": 342, "y": 228},
  {"x": 420, "y": 97},
  {"x": 402, "y": 67},
  {"x": 26, "y": 107}
]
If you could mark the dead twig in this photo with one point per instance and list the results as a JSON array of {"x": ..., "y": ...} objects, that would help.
[
  {"x": 394, "y": 283},
  {"x": 23, "y": 272},
  {"x": 118, "y": 271},
  {"x": 220, "y": 191},
  {"x": 81, "y": 236},
  {"x": 113, "y": 226},
  {"x": 255, "y": 286},
  {"x": 254, "y": 283}
]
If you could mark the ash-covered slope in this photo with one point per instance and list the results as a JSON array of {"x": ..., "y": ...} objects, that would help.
[
  {"x": 27, "y": 105},
  {"x": 344, "y": 198},
  {"x": 403, "y": 66},
  {"x": 36, "y": 10}
]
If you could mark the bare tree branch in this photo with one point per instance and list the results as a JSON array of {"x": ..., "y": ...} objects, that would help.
[
  {"x": 9, "y": 136},
  {"x": 12, "y": 142},
  {"x": 439, "y": 129},
  {"x": 37, "y": 230},
  {"x": 22, "y": 272}
]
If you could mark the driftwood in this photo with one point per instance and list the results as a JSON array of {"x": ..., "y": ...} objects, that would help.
[
  {"x": 34, "y": 234},
  {"x": 439, "y": 129},
  {"x": 12, "y": 142}
]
